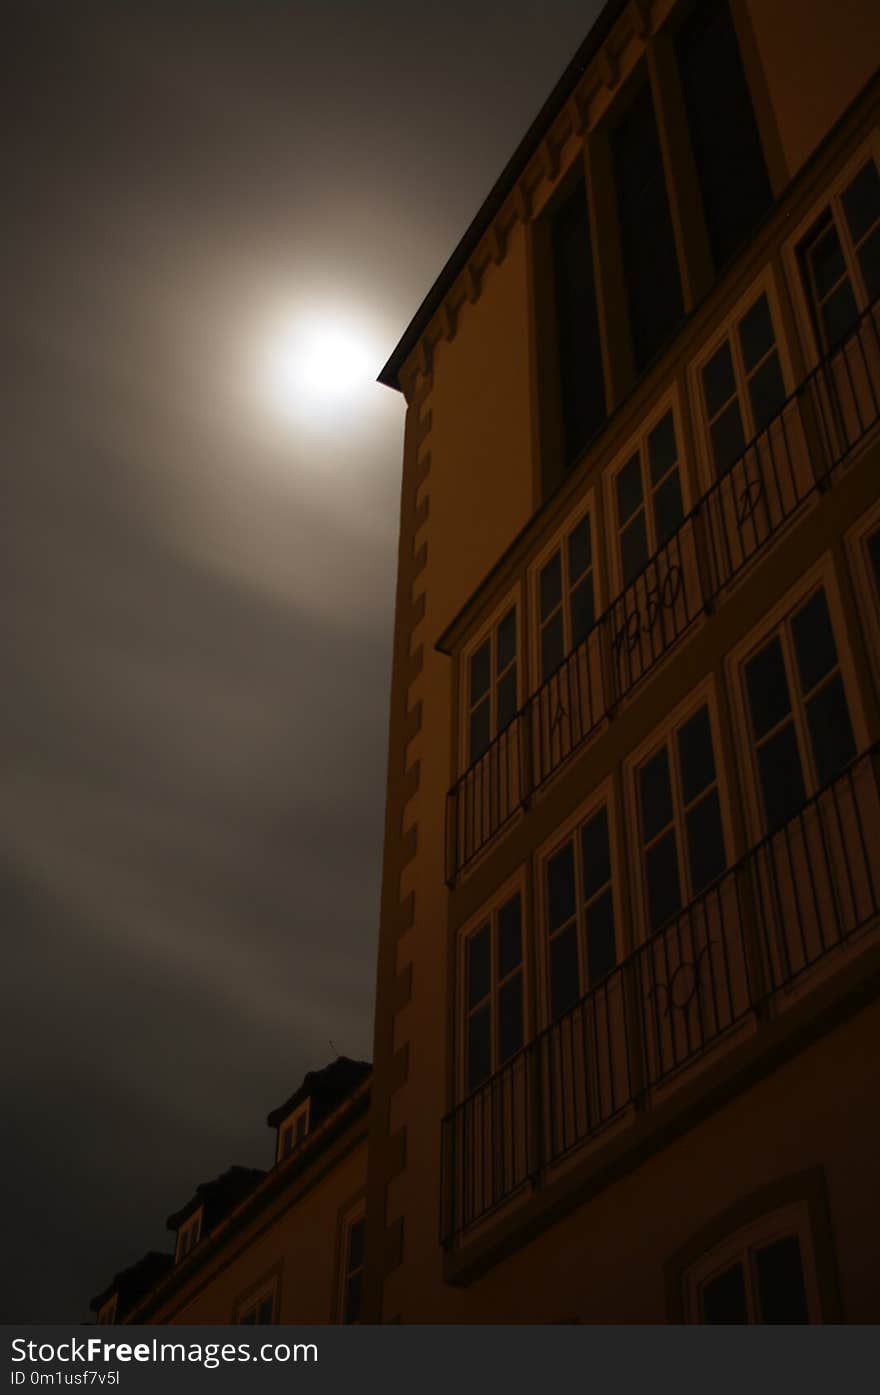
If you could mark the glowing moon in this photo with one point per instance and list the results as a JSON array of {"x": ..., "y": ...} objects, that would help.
[{"x": 321, "y": 366}]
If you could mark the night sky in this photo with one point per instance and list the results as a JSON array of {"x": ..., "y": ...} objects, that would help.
[{"x": 198, "y": 564}]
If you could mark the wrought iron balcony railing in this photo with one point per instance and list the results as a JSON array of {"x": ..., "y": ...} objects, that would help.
[
  {"x": 736, "y": 953},
  {"x": 793, "y": 457}
]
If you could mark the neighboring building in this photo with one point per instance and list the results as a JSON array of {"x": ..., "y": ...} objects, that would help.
[
  {"x": 283, "y": 1246},
  {"x": 627, "y": 1049}
]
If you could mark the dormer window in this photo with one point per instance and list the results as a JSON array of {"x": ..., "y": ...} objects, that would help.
[
  {"x": 188, "y": 1235},
  {"x": 293, "y": 1130},
  {"x": 107, "y": 1311}
]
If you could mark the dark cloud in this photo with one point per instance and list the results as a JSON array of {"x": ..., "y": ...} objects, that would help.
[{"x": 197, "y": 592}]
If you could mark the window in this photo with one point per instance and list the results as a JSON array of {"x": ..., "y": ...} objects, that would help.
[
  {"x": 679, "y": 810},
  {"x": 492, "y": 686},
  {"x": 582, "y": 943},
  {"x": 647, "y": 498},
  {"x": 840, "y": 256},
  {"x": 799, "y": 718},
  {"x": 761, "y": 1275},
  {"x": 742, "y": 385},
  {"x": 293, "y": 1131},
  {"x": 650, "y": 262},
  {"x": 188, "y": 1235},
  {"x": 580, "y": 355},
  {"x": 566, "y": 600},
  {"x": 259, "y": 1311},
  {"x": 352, "y": 1269},
  {"x": 731, "y": 169},
  {"x": 493, "y": 993}
]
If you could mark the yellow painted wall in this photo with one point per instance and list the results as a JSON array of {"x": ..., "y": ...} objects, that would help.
[
  {"x": 302, "y": 1236},
  {"x": 816, "y": 56}
]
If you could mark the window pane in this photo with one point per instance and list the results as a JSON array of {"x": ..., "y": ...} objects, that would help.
[
  {"x": 781, "y": 1292},
  {"x": 661, "y": 874},
  {"x": 478, "y": 967},
  {"x": 601, "y": 949},
  {"x": 301, "y": 1127},
  {"x": 356, "y": 1246},
  {"x": 560, "y": 886},
  {"x": 766, "y": 392},
  {"x": 724, "y": 1298},
  {"x": 353, "y": 1298},
  {"x": 506, "y": 641},
  {"x": 668, "y": 511},
  {"x": 869, "y": 260},
  {"x": 479, "y": 729},
  {"x": 826, "y": 260},
  {"x": 249, "y": 1318},
  {"x": 729, "y": 157},
  {"x": 510, "y": 1019},
  {"x": 728, "y": 438},
  {"x": 633, "y": 548},
  {"x": 705, "y": 842},
  {"x": 596, "y": 853},
  {"x": 551, "y": 586},
  {"x": 509, "y": 937},
  {"x": 266, "y": 1311},
  {"x": 647, "y": 242},
  {"x": 479, "y": 1054},
  {"x": 861, "y": 201},
  {"x": 831, "y": 733},
  {"x": 814, "y": 641},
  {"x": 286, "y": 1142},
  {"x": 782, "y": 779},
  {"x": 719, "y": 384},
  {"x": 580, "y": 348},
  {"x": 507, "y": 699},
  {"x": 564, "y": 974},
  {"x": 695, "y": 756},
  {"x": 629, "y": 489},
  {"x": 656, "y": 794},
  {"x": 579, "y": 550},
  {"x": 582, "y": 611},
  {"x": 662, "y": 452},
  {"x": 552, "y": 646},
  {"x": 480, "y": 672},
  {"x": 839, "y": 313},
  {"x": 767, "y": 686},
  {"x": 756, "y": 332}
]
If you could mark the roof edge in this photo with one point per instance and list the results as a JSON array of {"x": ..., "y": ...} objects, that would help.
[{"x": 602, "y": 25}]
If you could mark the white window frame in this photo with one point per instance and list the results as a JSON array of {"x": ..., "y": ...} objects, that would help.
[
  {"x": 515, "y": 885},
  {"x": 254, "y": 1300},
  {"x": 638, "y": 444},
  {"x": 829, "y": 200},
  {"x": 742, "y": 1246},
  {"x": 189, "y": 1234},
  {"x": 302, "y": 1111},
  {"x": 347, "y": 1224},
  {"x": 603, "y": 794},
  {"x": 586, "y": 507},
  {"x": 664, "y": 734},
  {"x": 823, "y": 574},
  {"x": 487, "y": 630},
  {"x": 765, "y": 284}
]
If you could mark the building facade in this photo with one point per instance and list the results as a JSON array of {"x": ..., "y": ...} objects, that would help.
[
  {"x": 627, "y": 1028},
  {"x": 282, "y": 1246}
]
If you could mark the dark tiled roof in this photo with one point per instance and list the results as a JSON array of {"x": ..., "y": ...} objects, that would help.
[
  {"x": 218, "y": 1196},
  {"x": 132, "y": 1283},
  {"x": 325, "y": 1088}
]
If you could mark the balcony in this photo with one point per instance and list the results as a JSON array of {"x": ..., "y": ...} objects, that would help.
[
  {"x": 792, "y": 459},
  {"x": 741, "y": 954}
]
